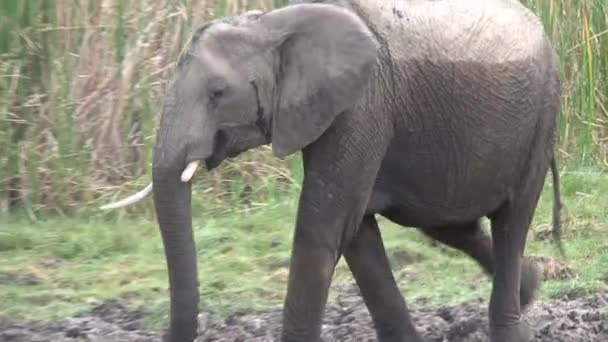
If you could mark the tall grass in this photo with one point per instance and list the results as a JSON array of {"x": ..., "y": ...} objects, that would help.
[
  {"x": 80, "y": 86},
  {"x": 579, "y": 31}
]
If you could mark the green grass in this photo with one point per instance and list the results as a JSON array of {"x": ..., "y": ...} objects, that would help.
[
  {"x": 579, "y": 34},
  {"x": 54, "y": 268}
]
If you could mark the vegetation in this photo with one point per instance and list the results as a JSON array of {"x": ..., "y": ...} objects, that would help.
[
  {"x": 81, "y": 81},
  {"x": 579, "y": 32},
  {"x": 80, "y": 85}
]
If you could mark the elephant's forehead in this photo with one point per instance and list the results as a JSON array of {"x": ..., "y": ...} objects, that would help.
[
  {"x": 217, "y": 36},
  {"x": 219, "y": 28},
  {"x": 225, "y": 41}
]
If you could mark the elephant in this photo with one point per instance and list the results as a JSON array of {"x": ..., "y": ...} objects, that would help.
[{"x": 431, "y": 113}]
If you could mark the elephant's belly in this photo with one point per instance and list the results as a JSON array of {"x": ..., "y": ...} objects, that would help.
[
  {"x": 420, "y": 191},
  {"x": 414, "y": 209}
]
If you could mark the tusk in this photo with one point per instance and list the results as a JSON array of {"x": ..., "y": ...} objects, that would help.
[
  {"x": 189, "y": 171},
  {"x": 129, "y": 200}
]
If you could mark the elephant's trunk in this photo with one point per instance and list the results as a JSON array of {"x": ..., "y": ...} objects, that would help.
[{"x": 172, "y": 200}]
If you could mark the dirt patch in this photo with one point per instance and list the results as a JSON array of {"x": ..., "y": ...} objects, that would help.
[
  {"x": 22, "y": 279},
  {"x": 108, "y": 322},
  {"x": 553, "y": 268},
  {"x": 346, "y": 319},
  {"x": 400, "y": 258}
]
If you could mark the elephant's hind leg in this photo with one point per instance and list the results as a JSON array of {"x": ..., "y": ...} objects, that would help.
[
  {"x": 366, "y": 257},
  {"x": 509, "y": 230},
  {"x": 473, "y": 241}
]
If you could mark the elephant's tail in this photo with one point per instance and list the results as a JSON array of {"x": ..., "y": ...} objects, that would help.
[{"x": 557, "y": 206}]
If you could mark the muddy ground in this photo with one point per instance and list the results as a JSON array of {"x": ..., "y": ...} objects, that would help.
[{"x": 346, "y": 319}]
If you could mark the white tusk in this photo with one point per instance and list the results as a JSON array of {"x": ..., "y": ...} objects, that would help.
[
  {"x": 129, "y": 200},
  {"x": 189, "y": 171}
]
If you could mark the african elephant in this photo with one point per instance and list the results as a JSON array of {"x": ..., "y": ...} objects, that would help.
[{"x": 433, "y": 114}]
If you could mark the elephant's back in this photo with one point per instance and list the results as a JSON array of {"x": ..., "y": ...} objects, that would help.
[{"x": 481, "y": 31}]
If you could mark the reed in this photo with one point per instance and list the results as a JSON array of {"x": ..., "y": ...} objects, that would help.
[
  {"x": 81, "y": 81},
  {"x": 579, "y": 31}
]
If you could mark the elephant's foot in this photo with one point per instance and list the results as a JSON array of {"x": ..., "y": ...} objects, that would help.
[
  {"x": 530, "y": 282},
  {"x": 520, "y": 332}
]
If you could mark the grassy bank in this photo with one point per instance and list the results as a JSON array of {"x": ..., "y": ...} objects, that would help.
[{"x": 54, "y": 268}]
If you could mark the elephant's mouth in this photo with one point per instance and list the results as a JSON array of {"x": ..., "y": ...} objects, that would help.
[
  {"x": 221, "y": 150},
  {"x": 229, "y": 143}
]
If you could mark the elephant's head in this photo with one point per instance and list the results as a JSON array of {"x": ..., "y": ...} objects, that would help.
[{"x": 280, "y": 77}]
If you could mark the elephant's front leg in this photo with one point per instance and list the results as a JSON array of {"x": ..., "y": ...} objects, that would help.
[
  {"x": 370, "y": 266},
  {"x": 312, "y": 267},
  {"x": 340, "y": 169},
  {"x": 325, "y": 217}
]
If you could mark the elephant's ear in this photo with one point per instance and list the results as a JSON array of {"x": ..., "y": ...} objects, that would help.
[{"x": 327, "y": 54}]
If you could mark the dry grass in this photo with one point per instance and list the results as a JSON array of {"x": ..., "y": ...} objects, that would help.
[
  {"x": 81, "y": 83},
  {"x": 80, "y": 87}
]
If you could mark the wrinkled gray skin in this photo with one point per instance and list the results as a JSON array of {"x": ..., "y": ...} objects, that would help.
[{"x": 433, "y": 114}]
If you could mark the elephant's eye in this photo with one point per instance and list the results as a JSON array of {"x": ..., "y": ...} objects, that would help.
[
  {"x": 216, "y": 89},
  {"x": 216, "y": 94}
]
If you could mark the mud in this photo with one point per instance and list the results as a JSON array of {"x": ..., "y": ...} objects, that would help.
[{"x": 346, "y": 319}]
